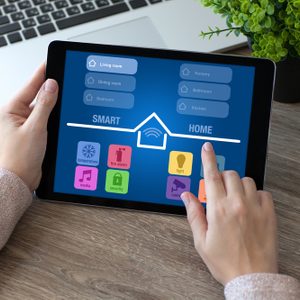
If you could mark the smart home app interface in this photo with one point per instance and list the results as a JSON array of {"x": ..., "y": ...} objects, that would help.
[{"x": 132, "y": 127}]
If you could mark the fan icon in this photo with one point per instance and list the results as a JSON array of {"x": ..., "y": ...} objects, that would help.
[{"x": 88, "y": 151}]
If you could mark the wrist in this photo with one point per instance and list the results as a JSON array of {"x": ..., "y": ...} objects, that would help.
[
  {"x": 230, "y": 277},
  {"x": 13, "y": 170},
  {"x": 6, "y": 172}
]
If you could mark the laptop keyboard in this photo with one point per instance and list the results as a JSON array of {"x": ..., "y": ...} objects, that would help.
[{"x": 26, "y": 19}]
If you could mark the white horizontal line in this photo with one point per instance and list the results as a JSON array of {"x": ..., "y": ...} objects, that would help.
[
  {"x": 100, "y": 127},
  {"x": 185, "y": 136},
  {"x": 208, "y": 138}
]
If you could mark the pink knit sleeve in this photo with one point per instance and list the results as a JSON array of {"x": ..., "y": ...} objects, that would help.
[
  {"x": 15, "y": 198},
  {"x": 261, "y": 286}
]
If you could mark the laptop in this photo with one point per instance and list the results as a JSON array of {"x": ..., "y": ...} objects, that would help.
[{"x": 28, "y": 26}]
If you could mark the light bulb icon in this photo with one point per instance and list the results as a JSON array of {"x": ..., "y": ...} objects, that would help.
[{"x": 181, "y": 160}]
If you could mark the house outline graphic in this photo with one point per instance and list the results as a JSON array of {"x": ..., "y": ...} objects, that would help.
[
  {"x": 92, "y": 63},
  {"x": 90, "y": 80},
  {"x": 163, "y": 125},
  {"x": 186, "y": 72}
]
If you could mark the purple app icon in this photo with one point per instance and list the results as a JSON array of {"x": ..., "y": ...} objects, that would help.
[{"x": 176, "y": 185}]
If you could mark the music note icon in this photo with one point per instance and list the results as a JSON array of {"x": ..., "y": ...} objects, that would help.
[
  {"x": 86, "y": 174},
  {"x": 86, "y": 178}
]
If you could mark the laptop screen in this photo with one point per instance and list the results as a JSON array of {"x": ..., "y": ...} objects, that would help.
[{"x": 132, "y": 127}]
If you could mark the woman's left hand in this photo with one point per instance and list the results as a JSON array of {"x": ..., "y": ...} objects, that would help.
[{"x": 23, "y": 128}]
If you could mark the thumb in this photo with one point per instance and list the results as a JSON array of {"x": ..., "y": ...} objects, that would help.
[
  {"x": 45, "y": 102},
  {"x": 196, "y": 217}
]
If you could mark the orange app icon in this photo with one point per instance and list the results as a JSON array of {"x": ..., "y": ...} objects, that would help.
[{"x": 202, "y": 193}]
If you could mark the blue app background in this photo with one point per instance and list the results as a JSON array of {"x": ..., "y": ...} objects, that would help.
[{"x": 157, "y": 82}]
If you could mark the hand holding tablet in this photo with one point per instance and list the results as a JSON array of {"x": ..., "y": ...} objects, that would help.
[{"x": 129, "y": 123}]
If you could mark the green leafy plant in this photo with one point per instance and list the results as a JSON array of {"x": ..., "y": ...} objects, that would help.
[{"x": 273, "y": 27}]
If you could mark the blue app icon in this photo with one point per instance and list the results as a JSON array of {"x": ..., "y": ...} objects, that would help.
[
  {"x": 88, "y": 153},
  {"x": 220, "y": 163}
]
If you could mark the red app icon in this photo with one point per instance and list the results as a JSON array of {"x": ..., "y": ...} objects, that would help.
[{"x": 119, "y": 156}]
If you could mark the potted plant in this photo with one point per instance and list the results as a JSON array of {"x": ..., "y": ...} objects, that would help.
[{"x": 273, "y": 31}]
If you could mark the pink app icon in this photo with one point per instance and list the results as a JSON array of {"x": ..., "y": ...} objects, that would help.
[
  {"x": 86, "y": 178},
  {"x": 119, "y": 157}
]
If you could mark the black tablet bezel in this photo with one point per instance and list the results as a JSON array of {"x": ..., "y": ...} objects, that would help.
[{"x": 259, "y": 126}]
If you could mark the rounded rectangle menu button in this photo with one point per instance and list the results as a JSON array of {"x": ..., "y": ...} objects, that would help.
[
  {"x": 113, "y": 82},
  {"x": 108, "y": 99},
  {"x": 111, "y": 64},
  {"x": 206, "y": 73},
  {"x": 203, "y": 90},
  {"x": 202, "y": 108}
]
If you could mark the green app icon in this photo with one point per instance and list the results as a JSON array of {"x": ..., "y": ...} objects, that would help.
[{"x": 117, "y": 181}]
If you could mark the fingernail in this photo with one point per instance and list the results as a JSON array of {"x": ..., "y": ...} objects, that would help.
[
  {"x": 185, "y": 197},
  {"x": 208, "y": 147},
  {"x": 50, "y": 86}
]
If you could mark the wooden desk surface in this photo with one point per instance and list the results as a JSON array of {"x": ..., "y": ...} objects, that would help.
[{"x": 62, "y": 251}]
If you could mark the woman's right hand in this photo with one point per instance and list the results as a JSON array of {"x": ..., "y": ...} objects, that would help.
[{"x": 238, "y": 235}]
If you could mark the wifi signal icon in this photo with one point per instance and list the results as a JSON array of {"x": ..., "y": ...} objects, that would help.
[{"x": 152, "y": 131}]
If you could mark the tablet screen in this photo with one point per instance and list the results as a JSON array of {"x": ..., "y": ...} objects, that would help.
[{"x": 132, "y": 127}]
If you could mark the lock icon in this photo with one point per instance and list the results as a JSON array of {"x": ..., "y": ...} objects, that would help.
[{"x": 117, "y": 179}]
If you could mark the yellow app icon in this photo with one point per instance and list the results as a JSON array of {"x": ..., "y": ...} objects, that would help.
[{"x": 180, "y": 163}]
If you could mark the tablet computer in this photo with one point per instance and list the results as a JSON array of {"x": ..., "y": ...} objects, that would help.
[{"x": 129, "y": 123}]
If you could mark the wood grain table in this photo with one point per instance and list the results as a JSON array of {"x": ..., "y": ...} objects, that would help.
[{"x": 61, "y": 251}]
